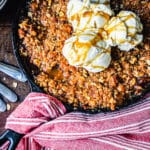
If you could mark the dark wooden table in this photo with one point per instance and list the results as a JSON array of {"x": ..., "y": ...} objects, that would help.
[{"x": 6, "y": 55}]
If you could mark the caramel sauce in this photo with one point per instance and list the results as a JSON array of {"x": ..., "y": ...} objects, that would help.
[
  {"x": 97, "y": 38},
  {"x": 131, "y": 27},
  {"x": 101, "y": 13},
  {"x": 120, "y": 24},
  {"x": 81, "y": 45},
  {"x": 98, "y": 55},
  {"x": 86, "y": 46},
  {"x": 56, "y": 74},
  {"x": 80, "y": 56},
  {"x": 114, "y": 27},
  {"x": 89, "y": 14},
  {"x": 89, "y": 20},
  {"x": 121, "y": 41},
  {"x": 98, "y": 67},
  {"x": 75, "y": 17},
  {"x": 90, "y": 61},
  {"x": 131, "y": 34},
  {"x": 128, "y": 17}
]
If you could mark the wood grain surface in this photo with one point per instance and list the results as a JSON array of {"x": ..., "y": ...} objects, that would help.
[{"x": 6, "y": 55}]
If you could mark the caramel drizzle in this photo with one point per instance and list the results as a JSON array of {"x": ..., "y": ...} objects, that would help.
[
  {"x": 109, "y": 30},
  {"x": 89, "y": 14},
  {"x": 96, "y": 57},
  {"x": 86, "y": 46}
]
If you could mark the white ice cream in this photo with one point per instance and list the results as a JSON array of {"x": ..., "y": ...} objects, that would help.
[
  {"x": 87, "y": 49},
  {"x": 95, "y": 32},
  {"x": 124, "y": 31},
  {"x": 85, "y": 15}
]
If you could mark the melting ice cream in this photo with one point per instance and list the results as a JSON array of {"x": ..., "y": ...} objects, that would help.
[
  {"x": 88, "y": 49},
  {"x": 124, "y": 30}
]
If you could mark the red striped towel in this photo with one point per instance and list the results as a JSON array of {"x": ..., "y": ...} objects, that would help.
[{"x": 46, "y": 125}]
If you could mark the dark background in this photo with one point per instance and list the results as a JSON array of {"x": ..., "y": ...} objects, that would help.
[{"x": 7, "y": 15}]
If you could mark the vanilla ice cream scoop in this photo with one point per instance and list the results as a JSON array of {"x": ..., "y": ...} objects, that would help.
[
  {"x": 86, "y": 15},
  {"x": 88, "y": 49},
  {"x": 124, "y": 31}
]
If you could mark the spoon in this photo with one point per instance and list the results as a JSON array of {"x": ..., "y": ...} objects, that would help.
[
  {"x": 2, "y": 105},
  {"x": 13, "y": 72},
  {"x": 7, "y": 93}
]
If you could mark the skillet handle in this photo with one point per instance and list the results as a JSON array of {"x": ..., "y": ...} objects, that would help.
[{"x": 11, "y": 136}]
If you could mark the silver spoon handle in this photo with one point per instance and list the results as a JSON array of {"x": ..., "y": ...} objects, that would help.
[
  {"x": 3, "y": 106},
  {"x": 2, "y": 3},
  {"x": 7, "y": 93},
  {"x": 13, "y": 72}
]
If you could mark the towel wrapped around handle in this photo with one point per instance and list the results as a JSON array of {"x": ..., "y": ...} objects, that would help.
[{"x": 45, "y": 123}]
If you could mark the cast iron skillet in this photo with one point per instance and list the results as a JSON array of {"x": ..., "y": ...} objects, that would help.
[
  {"x": 12, "y": 136},
  {"x": 30, "y": 70}
]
